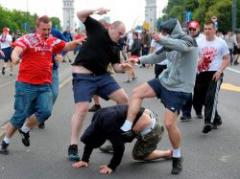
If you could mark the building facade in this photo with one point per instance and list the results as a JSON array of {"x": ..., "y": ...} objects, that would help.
[
  {"x": 68, "y": 15},
  {"x": 151, "y": 13}
]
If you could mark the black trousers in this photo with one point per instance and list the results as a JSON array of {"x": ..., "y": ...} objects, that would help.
[{"x": 206, "y": 94}]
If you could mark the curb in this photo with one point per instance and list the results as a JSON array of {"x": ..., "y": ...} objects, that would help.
[{"x": 61, "y": 85}]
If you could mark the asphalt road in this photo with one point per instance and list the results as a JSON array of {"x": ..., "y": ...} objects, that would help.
[{"x": 212, "y": 156}]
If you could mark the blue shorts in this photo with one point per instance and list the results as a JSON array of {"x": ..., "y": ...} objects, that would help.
[
  {"x": 172, "y": 100},
  {"x": 87, "y": 85},
  {"x": 7, "y": 54}
]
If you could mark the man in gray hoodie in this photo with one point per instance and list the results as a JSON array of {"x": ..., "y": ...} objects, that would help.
[{"x": 173, "y": 86}]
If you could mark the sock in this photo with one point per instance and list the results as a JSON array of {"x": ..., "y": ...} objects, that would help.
[
  {"x": 25, "y": 128},
  {"x": 177, "y": 153},
  {"x": 126, "y": 126},
  {"x": 6, "y": 140}
]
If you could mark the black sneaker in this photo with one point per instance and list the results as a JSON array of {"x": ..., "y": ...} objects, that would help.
[
  {"x": 41, "y": 126},
  {"x": 217, "y": 123},
  {"x": 207, "y": 128},
  {"x": 185, "y": 118},
  {"x": 94, "y": 108},
  {"x": 106, "y": 149},
  {"x": 176, "y": 165},
  {"x": 128, "y": 136},
  {"x": 3, "y": 70},
  {"x": 73, "y": 153},
  {"x": 3, "y": 148},
  {"x": 25, "y": 138}
]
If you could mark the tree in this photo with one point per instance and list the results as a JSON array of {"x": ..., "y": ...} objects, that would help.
[
  {"x": 21, "y": 21},
  {"x": 203, "y": 10}
]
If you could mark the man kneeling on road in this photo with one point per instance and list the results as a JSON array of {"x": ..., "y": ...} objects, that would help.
[{"x": 106, "y": 125}]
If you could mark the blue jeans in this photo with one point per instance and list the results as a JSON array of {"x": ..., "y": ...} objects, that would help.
[
  {"x": 54, "y": 88},
  {"x": 28, "y": 96}
]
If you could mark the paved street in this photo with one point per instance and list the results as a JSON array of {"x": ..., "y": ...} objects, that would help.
[{"x": 212, "y": 156}]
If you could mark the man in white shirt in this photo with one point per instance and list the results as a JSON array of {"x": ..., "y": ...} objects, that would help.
[{"x": 214, "y": 58}]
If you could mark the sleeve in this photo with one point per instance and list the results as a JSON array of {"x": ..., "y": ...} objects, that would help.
[
  {"x": 116, "y": 55},
  {"x": 175, "y": 44},
  {"x": 92, "y": 26},
  {"x": 87, "y": 152},
  {"x": 153, "y": 58},
  {"x": 58, "y": 46},
  {"x": 118, "y": 150}
]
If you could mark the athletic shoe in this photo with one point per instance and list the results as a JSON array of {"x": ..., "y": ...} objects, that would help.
[
  {"x": 3, "y": 148},
  {"x": 207, "y": 128},
  {"x": 73, "y": 153},
  {"x": 94, "y": 108},
  {"x": 176, "y": 165},
  {"x": 25, "y": 138}
]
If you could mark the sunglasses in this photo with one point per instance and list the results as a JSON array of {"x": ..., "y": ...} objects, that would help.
[{"x": 191, "y": 29}]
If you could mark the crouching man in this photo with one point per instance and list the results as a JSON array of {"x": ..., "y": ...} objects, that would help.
[{"x": 106, "y": 125}]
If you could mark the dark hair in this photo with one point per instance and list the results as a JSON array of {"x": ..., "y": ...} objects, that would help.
[
  {"x": 44, "y": 19},
  {"x": 210, "y": 22}
]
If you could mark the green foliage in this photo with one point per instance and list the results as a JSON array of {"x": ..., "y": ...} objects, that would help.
[
  {"x": 21, "y": 21},
  {"x": 203, "y": 10}
]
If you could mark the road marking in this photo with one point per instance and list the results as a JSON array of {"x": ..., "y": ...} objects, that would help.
[
  {"x": 230, "y": 87},
  {"x": 233, "y": 70}
]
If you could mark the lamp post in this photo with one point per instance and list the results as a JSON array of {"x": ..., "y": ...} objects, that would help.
[{"x": 234, "y": 14}]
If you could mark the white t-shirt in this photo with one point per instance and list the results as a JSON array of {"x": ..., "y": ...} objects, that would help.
[
  {"x": 211, "y": 54},
  {"x": 130, "y": 40},
  {"x": 6, "y": 41},
  {"x": 157, "y": 47}
]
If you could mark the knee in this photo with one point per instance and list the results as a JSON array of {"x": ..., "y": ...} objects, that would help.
[
  {"x": 124, "y": 99},
  {"x": 81, "y": 109},
  {"x": 43, "y": 115},
  {"x": 169, "y": 124}
]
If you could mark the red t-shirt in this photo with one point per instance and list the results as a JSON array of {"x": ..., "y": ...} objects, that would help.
[{"x": 36, "y": 65}]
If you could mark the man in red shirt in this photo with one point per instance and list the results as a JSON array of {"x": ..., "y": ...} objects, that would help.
[{"x": 34, "y": 53}]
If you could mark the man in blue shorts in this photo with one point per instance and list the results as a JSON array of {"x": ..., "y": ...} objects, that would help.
[
  {"x": 173, "y": 86},
  {"x": 90, "y": 75}
]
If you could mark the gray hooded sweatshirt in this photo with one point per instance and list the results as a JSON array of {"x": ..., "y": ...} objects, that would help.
[{"x": 182, "y": 52}]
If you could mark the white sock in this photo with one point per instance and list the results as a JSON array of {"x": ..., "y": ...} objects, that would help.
[
  {"x": 6, "y": 140},
  {"x": 126, "y": 126},
  {"x": 177, "y": 153},
  {"x": 25, "y": 128}
]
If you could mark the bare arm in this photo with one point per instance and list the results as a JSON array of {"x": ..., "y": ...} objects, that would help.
[
  {"x": 72, "y": 45},
  {"x": 121, "y": 67},
  {"x": 225, "y": 63},
  {"x": 82, "y": 15},
  {"x": 16, "y": 53}
]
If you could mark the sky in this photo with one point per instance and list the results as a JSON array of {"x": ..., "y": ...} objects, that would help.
[{"x": 131, "y": 12}]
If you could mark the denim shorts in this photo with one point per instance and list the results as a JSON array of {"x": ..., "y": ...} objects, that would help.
[
  {"x": 172, "y": 100},
  {"x": 28, "y": 96},
  {"x": 7, "y": 54},
  {"x": 87, "y": 85}
]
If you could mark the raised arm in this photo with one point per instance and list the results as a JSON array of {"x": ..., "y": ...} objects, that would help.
[{"x": 82, "y": 15}]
